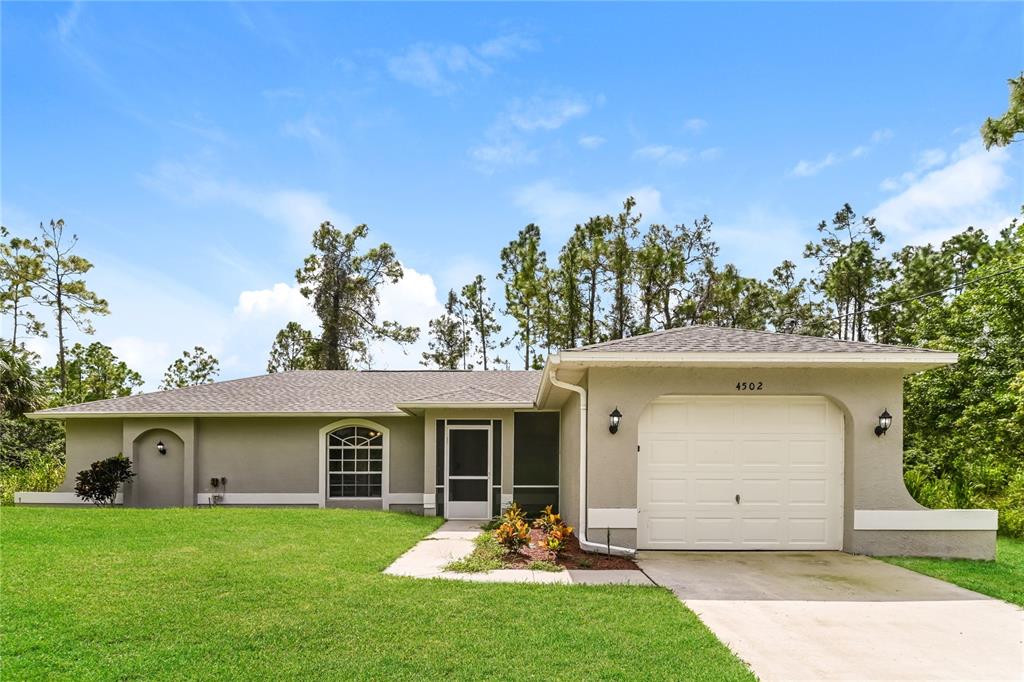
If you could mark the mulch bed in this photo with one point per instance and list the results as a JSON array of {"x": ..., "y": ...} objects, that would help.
[{"x": 571, "y": 557}]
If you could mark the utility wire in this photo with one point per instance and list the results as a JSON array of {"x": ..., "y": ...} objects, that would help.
[{"x": 962, "y": 285}]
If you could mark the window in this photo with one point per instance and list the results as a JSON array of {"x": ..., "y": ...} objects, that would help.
[{"x": 355, "y": 462}]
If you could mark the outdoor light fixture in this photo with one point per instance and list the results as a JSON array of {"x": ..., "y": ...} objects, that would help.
[
  {"x": 161, "y": 448},
  {"x": 613, "y": 420},
  {"x": 884, "y": 422}
]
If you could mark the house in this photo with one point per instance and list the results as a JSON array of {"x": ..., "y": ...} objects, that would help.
[{"x": 691, "y": 438}]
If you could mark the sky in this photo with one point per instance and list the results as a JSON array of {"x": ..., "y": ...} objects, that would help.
[{"x": 194, "y": 147}]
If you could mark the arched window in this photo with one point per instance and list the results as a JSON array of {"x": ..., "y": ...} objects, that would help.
[{"x": 355, "y": 462}]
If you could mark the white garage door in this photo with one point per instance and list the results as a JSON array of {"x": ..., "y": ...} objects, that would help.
[{"x": 750, "y": 472}]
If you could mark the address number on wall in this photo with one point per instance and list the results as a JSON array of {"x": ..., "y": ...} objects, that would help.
[{"x": 749, "y": 385}]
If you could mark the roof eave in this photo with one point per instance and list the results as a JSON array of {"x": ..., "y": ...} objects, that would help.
[
  {"x": 189, "y": 415},
  {"x": 912, "y": 360}
]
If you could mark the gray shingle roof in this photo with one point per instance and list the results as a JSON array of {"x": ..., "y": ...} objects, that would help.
[
  {"x": 703, "y": 339},
  {"x": 323, "y": 392}
]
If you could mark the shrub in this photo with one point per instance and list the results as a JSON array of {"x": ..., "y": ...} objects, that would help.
[
  {"x": 513, "y": 513},
  {"x": 547, "y": 519},
  {"x": 38, "y": 472},
  {"x": 101, "y": 481},
  {"x": 513, "y": 534},
  {"x": 557, "y": 537}
]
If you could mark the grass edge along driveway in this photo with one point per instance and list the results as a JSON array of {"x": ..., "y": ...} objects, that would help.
[
  {"x": 289, "y": 593},
  {"x": 1002, "y": 578}
]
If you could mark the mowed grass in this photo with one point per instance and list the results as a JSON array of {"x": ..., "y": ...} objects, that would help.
[
  {"x": 297, "y": 593},
  {"x": 1002, "y": 578}
]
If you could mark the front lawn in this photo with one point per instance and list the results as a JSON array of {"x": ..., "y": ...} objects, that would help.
[
  {"x": 1002, "y": 578},
  {"x": 297, "y": 593}
]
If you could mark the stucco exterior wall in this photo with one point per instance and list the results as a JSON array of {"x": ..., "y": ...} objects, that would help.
[
  {"x": 873, "y": 469},
  {"x": 256, "y": 455},
  {"x": 89, "y": 440},
  {"x": 569, "y": 464}
]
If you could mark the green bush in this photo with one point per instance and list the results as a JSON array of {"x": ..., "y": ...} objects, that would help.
[
  {"x": 101, "y": 481},
  {"x": 39, "y": 472}
]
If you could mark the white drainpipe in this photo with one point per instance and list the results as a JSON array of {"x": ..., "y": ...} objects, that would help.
[{"x": 581, "y": 532}]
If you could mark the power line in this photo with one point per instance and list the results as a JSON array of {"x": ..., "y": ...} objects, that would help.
[{"x": 962, "y": 285}]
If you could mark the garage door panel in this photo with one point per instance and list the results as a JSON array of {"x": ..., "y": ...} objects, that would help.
[
  {"x": 714, "y": 530},
  {"x": 782, "y": 455},
  {"x": 770, "y": 491},
  {"x": 669, "y": 451},
  {"x": 809, "y": 532},
  {"x": 670, "y": 530},
  {"x": 714, "y": 452},
  {"x": 809, "y": 491},
  {"x": 669, "y": 491},
  {"x": 761, "y": 453},
  {"x": 764, "y": 531},
  {"x": 807, "y": 453},
  {"x": 713, "y": 491}
]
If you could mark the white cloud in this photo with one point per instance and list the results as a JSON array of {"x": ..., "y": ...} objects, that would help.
[
  {"x": 662, "y": 153},
  {"x": 304, "y": 128},
  {"x": 591, "y": 141},
  {"x": 507, "y": 46},
  {"x": 695, "y": 125},
  {"x": 947, "y": 199},
  {"x": 711, "y": 153},
  {"x": 300, "y": 210},
  {"x": 806, "y": 168},
  {"x": 558, "y": 209},
  {"x": 506, "y": 140},
  {"x": 929, "y": 158},
  {"x": 281, "y": 302},
  {"x": 434, "y": 67},
  {"x": 544, "y": 113}
]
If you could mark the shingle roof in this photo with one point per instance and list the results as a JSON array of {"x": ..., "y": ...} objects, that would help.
[
  {"x": 323, "y": 392},
  {"x": 703, "y": 339}
]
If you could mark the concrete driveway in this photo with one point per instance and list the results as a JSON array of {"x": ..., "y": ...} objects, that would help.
[{"x": 835, "y": 616}]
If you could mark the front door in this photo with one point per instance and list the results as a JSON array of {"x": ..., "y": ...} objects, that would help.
[{"x": 468, "y": 470}]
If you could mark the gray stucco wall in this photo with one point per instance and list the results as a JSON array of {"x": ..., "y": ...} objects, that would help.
[
  {"x": 569, "y": 466},
  {"x": 256, "y": 455},
  {"x": 873, "y": 466},
  {"x": 89, "y": 440}
]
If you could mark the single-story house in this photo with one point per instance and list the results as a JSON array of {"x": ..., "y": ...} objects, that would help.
[{"x": 693, "y": 438}]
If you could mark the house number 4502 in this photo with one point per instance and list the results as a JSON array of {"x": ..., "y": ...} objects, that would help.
[{"x": 749, "y": 385}]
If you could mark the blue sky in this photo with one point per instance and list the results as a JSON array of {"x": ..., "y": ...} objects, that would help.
[{"x": 194, "y": 147}]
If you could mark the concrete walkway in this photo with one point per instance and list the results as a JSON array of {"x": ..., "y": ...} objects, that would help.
[
  {"x": 835, "y": 616},
  {"x": 454, "y": 540}
]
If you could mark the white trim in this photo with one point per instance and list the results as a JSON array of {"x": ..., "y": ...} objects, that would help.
[
  {"x": 205, "y": 415},
  {"x": 925, "y": 519},
  {"x": 465, "y": 406},
  {"x": 755, "y": 359},
  {"x": 55, "y": 498},
  {"x": 405, "y": 498},
  {"x": 516, "y": 485},
  {"x": 612, "y": 518},
  {"x": 448, "y": 428},
  {"x": 385, "y": 478},
  {"x": 429, "y": 500},
  {"x": 259, "y": 498},
  {"x": 506, "y": 500}
]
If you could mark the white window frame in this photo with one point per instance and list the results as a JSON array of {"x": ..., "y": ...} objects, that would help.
[{"x": 385, "y": 482}]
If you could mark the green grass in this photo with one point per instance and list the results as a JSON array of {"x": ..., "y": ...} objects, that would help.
[
  {"x": 232, "y": 594},
  {"x": 1002, "y": 578},
  {"x": 486, "y": 556}
]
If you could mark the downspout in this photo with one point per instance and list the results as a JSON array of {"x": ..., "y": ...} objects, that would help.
[{"x": 581, "y": 532}]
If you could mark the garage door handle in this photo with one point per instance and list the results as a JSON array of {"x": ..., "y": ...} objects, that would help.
[{"x": 737, "y": 498}]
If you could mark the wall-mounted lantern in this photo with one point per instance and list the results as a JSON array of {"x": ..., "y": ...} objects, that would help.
[
  {"x": 613, "y": 420},
  {"x": 161, "y": 448},
  {"x": 884, "y": 422}
]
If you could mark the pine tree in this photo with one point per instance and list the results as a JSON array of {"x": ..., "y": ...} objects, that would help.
[
  {"x": 482, "y": 320},
  {"x": 449, "y": 338},
  {"x": 522, "y": 271}
]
